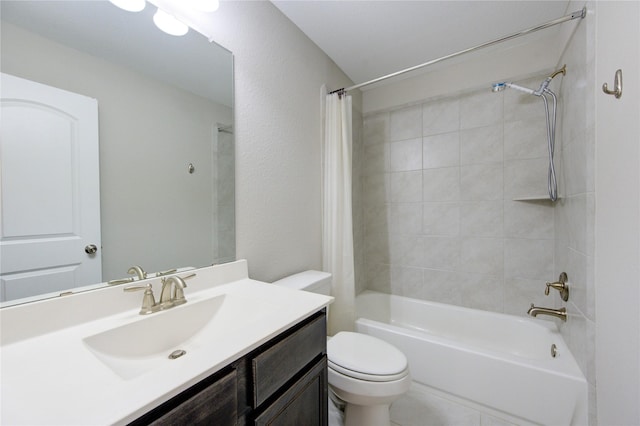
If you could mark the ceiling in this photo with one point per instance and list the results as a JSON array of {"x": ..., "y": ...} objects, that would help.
[
  {"x": 369, "y": 39},
  {"x": 99, "y": 28}
]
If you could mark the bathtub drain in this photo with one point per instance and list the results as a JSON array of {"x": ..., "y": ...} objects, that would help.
[{"x": 554, "y": 350}]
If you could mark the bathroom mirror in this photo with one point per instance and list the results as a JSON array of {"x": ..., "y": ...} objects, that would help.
[{"x": 166, "y": 150}]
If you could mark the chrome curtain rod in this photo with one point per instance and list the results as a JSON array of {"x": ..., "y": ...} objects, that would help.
[{"x": 575, "y": 15}]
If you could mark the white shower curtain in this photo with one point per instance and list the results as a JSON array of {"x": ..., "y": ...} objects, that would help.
[{"x": 337, "y": 227}]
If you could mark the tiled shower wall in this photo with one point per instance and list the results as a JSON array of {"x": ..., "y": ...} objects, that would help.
[
  {"x": 438, "y": 182},
  {"x": 575, "y": 213},
  {"x": 434, "y": 213}
]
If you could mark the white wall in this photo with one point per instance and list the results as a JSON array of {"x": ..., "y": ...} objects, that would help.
[
  {"x": 278, "y": 74},
  {"x": 617, "y": 220}
]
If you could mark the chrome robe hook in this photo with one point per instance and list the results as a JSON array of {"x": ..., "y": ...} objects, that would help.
[{"x": 617, "y": 86}]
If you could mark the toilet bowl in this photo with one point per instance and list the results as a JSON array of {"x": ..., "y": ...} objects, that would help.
[{"x": 367, "y": 374}]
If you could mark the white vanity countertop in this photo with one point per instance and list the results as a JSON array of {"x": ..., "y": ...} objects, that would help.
[{"x": 53, "y": 378}]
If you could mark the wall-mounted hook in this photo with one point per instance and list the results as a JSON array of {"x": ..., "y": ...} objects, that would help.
[
  {"x": 191, "y": 169},
  {"x": 617, "y": 86}
]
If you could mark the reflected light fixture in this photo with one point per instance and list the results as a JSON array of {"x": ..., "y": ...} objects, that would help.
[
  {"x": 130, "y": 5},
  {"x": 166, "y": 21},
  {"x": 169, "y": 24}
]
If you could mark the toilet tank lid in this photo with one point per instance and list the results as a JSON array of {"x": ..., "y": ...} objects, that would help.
[{"x": 307, "y": 280}]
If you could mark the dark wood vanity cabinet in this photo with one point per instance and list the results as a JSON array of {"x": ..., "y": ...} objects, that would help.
[
  {"x": 304, "y": 403},
  {"x": 283, "y": 382},
  {"x": 211, "y": 402}
]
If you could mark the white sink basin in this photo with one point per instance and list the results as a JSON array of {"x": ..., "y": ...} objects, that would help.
[
  {"x": 145, "y": 344},
  {"x": 102, "y": 350}
]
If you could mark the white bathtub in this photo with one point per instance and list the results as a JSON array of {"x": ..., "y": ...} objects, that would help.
[{"x": 492, "y": 360}]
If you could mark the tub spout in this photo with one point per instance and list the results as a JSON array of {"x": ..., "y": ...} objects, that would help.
[{"x": 561, "y": 313}]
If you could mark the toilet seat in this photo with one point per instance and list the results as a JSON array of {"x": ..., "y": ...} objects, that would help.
[
  {"x": 367, "y": 377},
  {"x": 365, "y": 357}
]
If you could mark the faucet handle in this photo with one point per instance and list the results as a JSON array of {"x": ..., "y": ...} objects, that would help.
[
  {"x": 121, "y": 281},
  {"x": 560, "y": 285},
  {"x": 167, "y": 272},
  {"x": 148, "y": 301}
]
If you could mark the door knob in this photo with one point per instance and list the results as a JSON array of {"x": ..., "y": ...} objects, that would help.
[{"x": 91, "y": 249}]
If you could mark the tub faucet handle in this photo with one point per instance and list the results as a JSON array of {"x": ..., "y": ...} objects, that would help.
[{"x": 560, "y": 285}]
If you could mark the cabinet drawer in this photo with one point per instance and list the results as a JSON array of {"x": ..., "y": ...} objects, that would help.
[
  {"x": 304, "y": 403},
  {"x": 275, "y": 366},
  {"x": 214, "y": 405}
]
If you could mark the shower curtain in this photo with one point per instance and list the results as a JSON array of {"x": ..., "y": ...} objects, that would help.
[{"x": 337, "y": 228}]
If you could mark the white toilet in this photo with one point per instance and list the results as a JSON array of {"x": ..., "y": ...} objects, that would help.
[{"x": 366, "y": 373}]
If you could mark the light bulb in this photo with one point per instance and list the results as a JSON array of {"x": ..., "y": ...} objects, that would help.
[
  {"x": 169, "y": 24},
  {"x": 130, "y": 5},
  {"x": 205, "y": 5}
]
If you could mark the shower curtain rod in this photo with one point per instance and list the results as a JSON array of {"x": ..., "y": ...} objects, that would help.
[{"x": 575, "y": 15}]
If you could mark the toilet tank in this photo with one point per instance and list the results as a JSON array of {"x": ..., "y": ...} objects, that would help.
[{"x": 313, "y": 281}]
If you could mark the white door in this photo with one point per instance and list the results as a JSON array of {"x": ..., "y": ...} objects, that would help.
[{"x": 49, "y": 189}]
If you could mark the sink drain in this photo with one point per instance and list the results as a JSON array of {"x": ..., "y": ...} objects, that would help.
[{"x": 177, "y": 354}]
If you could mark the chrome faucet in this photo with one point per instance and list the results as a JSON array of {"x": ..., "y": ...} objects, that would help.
[
  {"x": 142, "y": 275},
  {"x": 172, "y": 292},
  {"x": 561, "y": 313}
]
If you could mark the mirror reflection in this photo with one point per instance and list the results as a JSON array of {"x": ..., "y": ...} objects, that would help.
[{"x": 157, "y": 188}]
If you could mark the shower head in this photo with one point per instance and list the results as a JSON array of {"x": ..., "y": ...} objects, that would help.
[
  {"x": 499, "y": 87},
  {"x": 542, "y": 92}
]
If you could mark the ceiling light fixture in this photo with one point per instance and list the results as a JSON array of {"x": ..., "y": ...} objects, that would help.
[
  {"x": 130, "y": 5},
  {"x": 169, "y": 24}
]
